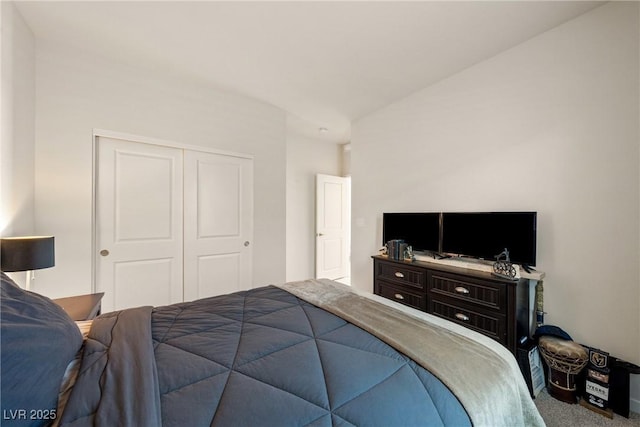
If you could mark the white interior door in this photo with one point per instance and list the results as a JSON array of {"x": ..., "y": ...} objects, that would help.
[
  {"x": 332, "y": 226},
  {"x": 218, "y": 228},
  {"x": 138, "y": 224}
]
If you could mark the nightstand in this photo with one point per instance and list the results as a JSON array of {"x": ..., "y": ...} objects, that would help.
[{"x": 81, "y": 307}]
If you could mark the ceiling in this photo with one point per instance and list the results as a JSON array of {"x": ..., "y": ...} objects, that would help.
[{"x": 326, "y": 63}]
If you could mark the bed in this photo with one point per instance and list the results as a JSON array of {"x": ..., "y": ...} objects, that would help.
[{"x": 310, "y": 353}]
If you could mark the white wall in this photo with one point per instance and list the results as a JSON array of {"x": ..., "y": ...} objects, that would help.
[
  {"x": 550, "y": 125},
  {"x": 18, "y": 118},
  {"x": 17, "y": 134},
  {"x": 306, "y": 157},
  {"x": 77, "y": 92}
]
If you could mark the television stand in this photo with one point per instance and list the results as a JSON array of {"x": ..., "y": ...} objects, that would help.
[{"x": 496, "y": 307}]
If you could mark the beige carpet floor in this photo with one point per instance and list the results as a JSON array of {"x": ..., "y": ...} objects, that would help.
[{"x": 559, "y": 414}]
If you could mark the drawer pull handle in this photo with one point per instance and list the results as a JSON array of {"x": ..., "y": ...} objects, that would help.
[
  {"x": 461, "y": 290},
  {"x": 462, "y": 317},
  {"x": 399, "y": 296},
  {"x": 400, "y": 275}
]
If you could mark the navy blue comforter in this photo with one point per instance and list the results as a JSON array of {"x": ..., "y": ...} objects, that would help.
[{"x": 255, "y": 358}]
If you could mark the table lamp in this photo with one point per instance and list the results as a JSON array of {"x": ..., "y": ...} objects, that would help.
[{"x": 26, "y": 254}]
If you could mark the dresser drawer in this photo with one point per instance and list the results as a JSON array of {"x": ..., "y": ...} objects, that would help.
[
  {"x": 490, "y": 305},
  {"x": 401, "y": 295},
  {"x": 403, "y": 275},
  {"x": 476, "y": 291},
  {"x": 491, "y": 324}
]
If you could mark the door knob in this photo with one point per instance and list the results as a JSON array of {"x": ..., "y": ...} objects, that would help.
[
  {"x": 246, "y": 243},
  {"x": 104, "y": 252}
]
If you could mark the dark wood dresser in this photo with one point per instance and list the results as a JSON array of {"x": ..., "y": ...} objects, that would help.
[{"x": 495, "y": 307}]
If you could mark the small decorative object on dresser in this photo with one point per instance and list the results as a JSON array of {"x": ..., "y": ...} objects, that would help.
[
  {"x": 81, "y": 307},
  {"x": 503, "y": 267},
  {"x": 396, "y": 249}
]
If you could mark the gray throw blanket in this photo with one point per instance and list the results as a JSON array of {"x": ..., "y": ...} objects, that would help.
[
  {"x": 125, "y": 368},
  {"x": 485, "y": 378}
]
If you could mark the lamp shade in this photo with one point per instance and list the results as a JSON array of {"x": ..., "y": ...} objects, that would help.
[{"x": 26, "y": 253}]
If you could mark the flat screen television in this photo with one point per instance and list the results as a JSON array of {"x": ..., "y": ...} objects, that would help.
[
  {"x": 486, "y": 234},
  {"x": 421, "y": 230}
]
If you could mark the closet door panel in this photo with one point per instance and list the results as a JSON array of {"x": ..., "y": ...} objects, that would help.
[
  {"x": 218, "y": 227},
  {"x": 139, "y": 230},
  {"x": 219, "y": 274},
  {"x": 219, "y": 205}
]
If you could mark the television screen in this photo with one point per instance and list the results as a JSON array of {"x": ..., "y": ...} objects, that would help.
[
  {"x": 420, "y": 230},
  {"x": 486, "y": 234}
]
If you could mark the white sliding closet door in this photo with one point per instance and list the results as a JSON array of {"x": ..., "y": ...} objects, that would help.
[
  {"x": 139, "y": 234},
  {"x": 218, "y": 228},
  {"x": 172, "y": 223}
]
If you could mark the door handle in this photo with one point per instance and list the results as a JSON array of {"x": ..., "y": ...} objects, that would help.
[
  {"x": 319, "y": 234},
  {"x": 104, "y": 252},
  {"x": 246, "y": 243}
]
